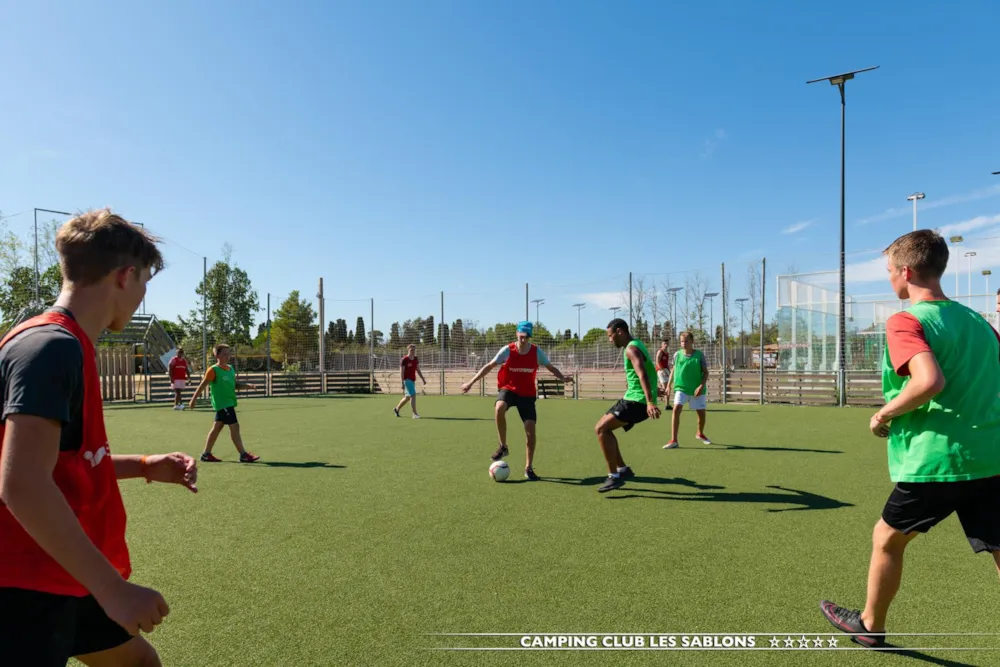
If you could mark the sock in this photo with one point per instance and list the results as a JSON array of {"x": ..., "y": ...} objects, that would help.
[
  {"x": 614, "y": 474},
  {"x": 622, "y": 469}
]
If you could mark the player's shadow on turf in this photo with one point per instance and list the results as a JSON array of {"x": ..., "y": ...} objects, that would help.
[
  {"x": 923, "y": 657},
  {"x": 723, "y": 447},
  {"x": 594, "y": 481},
  {"x": 292, "y": 464},
  {"x": 804, "y": 499},
  {"x": 459, "y": 419}
]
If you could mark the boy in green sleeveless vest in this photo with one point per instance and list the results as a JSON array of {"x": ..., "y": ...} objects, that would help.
[
  {"x": 222, "y": 379},
  {"x": 638, "y": 404},
  {"x": 941, "y": 380},
  {"x": 688, "y": 382}
]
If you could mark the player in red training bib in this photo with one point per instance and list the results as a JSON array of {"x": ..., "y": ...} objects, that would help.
[
  {"x": 409, "y": 369},
  {"x": 519, "y": 363},
  {"x": 180, "y": 375},
  {"x": 64, "y": 562},
  {"x": 941, "y": 380}
]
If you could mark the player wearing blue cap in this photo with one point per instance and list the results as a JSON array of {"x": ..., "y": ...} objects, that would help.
[{"x": 519, "y": 363}]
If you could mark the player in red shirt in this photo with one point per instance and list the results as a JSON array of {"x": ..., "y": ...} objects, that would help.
[
  {"x": 519, "y": 363},
  {"x": 409, "y": 369},
  {"x": 180, "y": 375},
  {"x": 64, "y": 562}
]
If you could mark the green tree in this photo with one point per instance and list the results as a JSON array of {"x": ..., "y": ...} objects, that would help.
[
  {"x": 378, "y": 338},
  {"x": 394, "y": 335},
  {"x": 458, "y": 334},
  {"x": 294, "y": 331},
  {"x": 18, "y": 291},
  {"x": 595, "y": 335},
  {"x": 359, "y": 332},
  {"x": 427, "y": 331},
  {"x": 232, "y": 304},
  {"x": 174, "y": 330},
  {"x": 443, "y": 334}
]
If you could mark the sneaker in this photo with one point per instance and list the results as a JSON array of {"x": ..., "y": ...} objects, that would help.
[
  {"x": 703, "y": 438},
  {"x": 611, "y": 484},
  {"x": 501, "y": 452},
  {"x": 416, "y": 416},
  {"x": 248, "y": 457},
  {"x": 849, "y": 621},
  {"x": 395, "y": 412},
  {"x": 671, "y": 445},
  {"x": 210, "y": 458},
  {"x": 626, "y": 473},
  {"x": 530, "y": 474}
]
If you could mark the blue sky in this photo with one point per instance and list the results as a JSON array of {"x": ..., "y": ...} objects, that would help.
[{"x": 401, "y": 149}]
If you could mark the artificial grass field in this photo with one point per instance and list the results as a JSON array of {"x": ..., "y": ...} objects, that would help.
[{"x": 358, "y": 534}]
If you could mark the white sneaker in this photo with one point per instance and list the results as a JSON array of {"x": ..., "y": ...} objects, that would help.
[
  {"x": 671, "y": 445},
  {"x": 178, "y": 407},
  {"x": 416, "y": 416},
  {"x": 703, "y": 439}
]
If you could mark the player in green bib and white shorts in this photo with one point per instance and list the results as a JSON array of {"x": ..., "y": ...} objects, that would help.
[
  {"x": 941, "y": 381},
  {"x": 689, "y": 383}
]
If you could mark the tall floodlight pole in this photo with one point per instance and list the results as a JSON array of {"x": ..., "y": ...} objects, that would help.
[
  {"x": 579, "y": 307},
  {"x": 673, "y": 313},
  {"x": 969, "y": 256},
  {"x": 915, "y": 197},
  {"x": 537, "y": 302},
  {"x": 38, "y": 276},
  {"x": 743, "y": 344},
  {"x": 840, "y": 80},
  {"x": 614, "y": 310},
  {"x": 956, "y": 240},
  {"x": 711, "y": 314},
  {"x": 986, "y": 274}
]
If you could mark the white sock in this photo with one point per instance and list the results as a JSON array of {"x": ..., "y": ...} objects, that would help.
[
  {"x": 614, "y": 474},
  {"x": 622, "y": 469}
]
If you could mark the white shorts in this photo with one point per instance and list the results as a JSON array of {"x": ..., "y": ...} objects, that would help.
[
  {"x": 663, "y": 375},
  {"x": 693, "y": 402},
  {"x": 178, "y": 384}
]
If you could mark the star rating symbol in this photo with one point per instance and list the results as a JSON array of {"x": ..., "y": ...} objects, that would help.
[
  {"x": 774, "y": 642},
  {"x": 804, "y": 642},
  {"x": 789, "y": 642},
  {"x": 832, "y": 641},
  {"x": 818, "y": 642}
]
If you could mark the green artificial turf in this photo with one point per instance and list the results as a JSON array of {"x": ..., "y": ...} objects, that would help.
[{"x": 358, "y": 534}]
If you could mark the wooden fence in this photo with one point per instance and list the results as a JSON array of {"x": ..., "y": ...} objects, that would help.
[{"x": 780, "y": 387}]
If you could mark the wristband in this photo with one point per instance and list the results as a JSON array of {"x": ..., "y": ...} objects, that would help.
[{"x": 142, "y": 467}]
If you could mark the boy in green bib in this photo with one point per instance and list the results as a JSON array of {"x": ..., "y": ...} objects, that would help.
[
  {"x": 941, "y": 381},
  {"x": 221, "y": 378},
  {"x": 638, "y": 404},
  {"x": 688, "y": 381}
]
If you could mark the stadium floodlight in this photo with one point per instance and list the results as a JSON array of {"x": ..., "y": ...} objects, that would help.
[
  {"x": 711, "y": 314},
  {"x": 579, "y": 307},
  {"x": 969, "y": 255},
  {"x": 673, "y": 315},
  {"x": 996, "y": 173},
  {"x": 537, "y": 302},
  {"x": 839, "y": 80},
  {"x": 916, "y": 196},
  {"x": 956, "y": 239}
]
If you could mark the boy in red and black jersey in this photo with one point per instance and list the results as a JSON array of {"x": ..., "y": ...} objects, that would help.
[
  {"x": 64, "y": 563},
  {"x": 519, "y": 363}
]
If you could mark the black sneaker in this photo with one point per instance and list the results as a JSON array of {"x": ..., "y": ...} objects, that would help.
[
  {"x": 626, "y": 473},
  {"x": 530, "y": 474},
  {"x": 501, "y": 452},
  {"x": 395, "y": 411},
  {"x": 849, "y": 621},
  {"x": 611, "y": 484}
]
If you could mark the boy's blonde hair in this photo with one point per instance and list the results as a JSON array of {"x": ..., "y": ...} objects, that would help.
[
  {"x": 94, "y": 244},
  {"x": 219, "y": 348}
]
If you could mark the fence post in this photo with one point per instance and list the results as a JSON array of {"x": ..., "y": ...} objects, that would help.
[
  {"x": 204, "y": 315},
  {"x": 267, "y": 348},
  {"x": 763, "y": 282},
  {"x": 725, "y": 334},
  {"x": 441, "y": 329},
  {"x": 322, "y": 347},
  {"x": 371, "y": 351}
]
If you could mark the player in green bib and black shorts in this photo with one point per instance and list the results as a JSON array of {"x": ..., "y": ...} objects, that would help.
[
  {"x": 638, "y": 404},
  {"x": 941, "y": 381},
  {"x": 221, "y": 378}
]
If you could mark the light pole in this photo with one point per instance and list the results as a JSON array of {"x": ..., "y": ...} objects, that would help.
[
  {"x": 579, "y": 307},
  {"x": 537, "y": 302},
  {"x": 914, "y": 198},
  {"x": 986, "y": 274},
  {"x": 970, "y": 255},
  {"x": 840, "y": 80},
  {"x": 743, "y": 343},
  {"x": 673, "y": 313},
  {"x": 711, "y": 314},
  {"x": 38, "y": 276},
  {"x": 614, "y": 310},
  {"x": 956, "y": 240}
]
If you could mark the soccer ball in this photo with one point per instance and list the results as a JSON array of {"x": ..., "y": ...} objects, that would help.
[{"x": 499, "y": 471}]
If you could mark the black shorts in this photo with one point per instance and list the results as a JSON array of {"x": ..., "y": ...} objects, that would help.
[
  {"x": 525, "y": 404},
  {"x": 226, "y": 416},
  {"x": 919, "y": 506},
  {"x": 630, "y": 412},
  {"x": 44, "y": 629}
]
